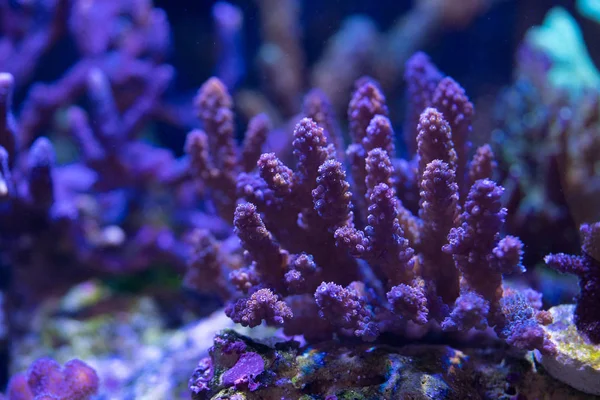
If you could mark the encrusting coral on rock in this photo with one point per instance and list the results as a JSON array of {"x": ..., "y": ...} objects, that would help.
[{"x": 239, "y": 367}]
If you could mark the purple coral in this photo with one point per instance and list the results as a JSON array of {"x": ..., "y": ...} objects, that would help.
[
  {"x": 46, "y": 379},
  {"x": 346, "y": 308},
  {"x": 380, "y": 134},
  {"x": 439, "y": 212},
  {"x": 470, "y": 311},
  {"x": 329, "y": 255},
  {"x": 47, "y": 199},
  {"x": 409, "y": 302},
  {"x": 114, "y": 204},
  {"x": 262, "y": 305},
  {"x": 219, "y": 166},
  {"x": 254, "y": 139},
  {"x": 311, "y": 149},
  {"x": 318, "y": 108},
  {"x": 422, "y": 78},
  {"x": 367, "y": 102},
  {"x": 472, "y": 243},
  {"x": 435, "y": 140},
  {"x": 379, "y": 169},
  {"x": 8, "y": 134},
  {"x": 388, "y": 245},
  {"x": 278, "y": 177},
  {"x": 215, "y": 159},
  {"x": 587, "y": 268},
  {"x": 450, "y": 99},
  {"x": 205, "y": 272},
  {"x": 269, "y": 259},
  {"x": 332, "y": 197},
  {"x": 483, "y": 164},
  {"x": 520, "y": 327},
  {"x": 214, "y": 109},
  {"x": 41, "y": 161}
]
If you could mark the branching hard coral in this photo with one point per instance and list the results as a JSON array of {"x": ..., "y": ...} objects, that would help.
[
  {"x": 127, "y": 53},
  {"x": 263, "y": 305},
  {"x": 347, "y": 256},
  {"x": 46, "y": 379},
  {"x": 521, "y": 327},
  {"x": 229, "y": 22},
  {"x": 472, "y": 243},
  {"x": 100, "y": 200},
  {"x": 358, "y": 48},
  {"x": 214, "y": 156},
  {"x": 422, "y": 78},
  {"x": 281, "y": 56},
  {"x": 450, "y": 99},
  {"x": 317, "y": 107},
  {"x": 45, "y": 201},
  {"x": 24, "y": 39},
  {"x": 346, "y": 309},
  {"x": 483, "y": 164},
  {"x": 327, "y": 245},
  {"x": 587, "y": 268},
  {"x": 367, "y": 102},
  {"x": 439, "y": 213},
  {"x": 204, "y": 271}
]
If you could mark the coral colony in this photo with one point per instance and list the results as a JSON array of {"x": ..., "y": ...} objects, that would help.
[
  {"x": 318, "y": 265},
  {"x": 366, "y": 270},
  {"x": 318, "y": 262},
  {"x": 47, "y": 380}
]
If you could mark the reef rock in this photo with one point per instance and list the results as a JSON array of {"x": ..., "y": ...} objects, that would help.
[
  {"x": 243, "y": 368},
  {"x": 577, "y": 362}
]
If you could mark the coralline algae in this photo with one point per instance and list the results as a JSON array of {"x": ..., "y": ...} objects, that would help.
[
  {"x": 336, "y": 370},
  {"x": 577, "y": 362}
]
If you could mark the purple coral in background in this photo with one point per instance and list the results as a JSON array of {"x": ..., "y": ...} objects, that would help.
[
  {"x": 545, "y": 142},
  {"x": 72, "y": 201},
  {"x": 229, "y": 22},
  {"x": 86, "y": 192},
  {"x": 587, "y": 268},
  {"x": 422, "y": 78},
  {"x": 46, "y": 379}
]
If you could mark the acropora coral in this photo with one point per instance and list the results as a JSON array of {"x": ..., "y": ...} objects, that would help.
[
  {"x": 373, "y": 242},
  {"x": 331, "y": 252}
]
